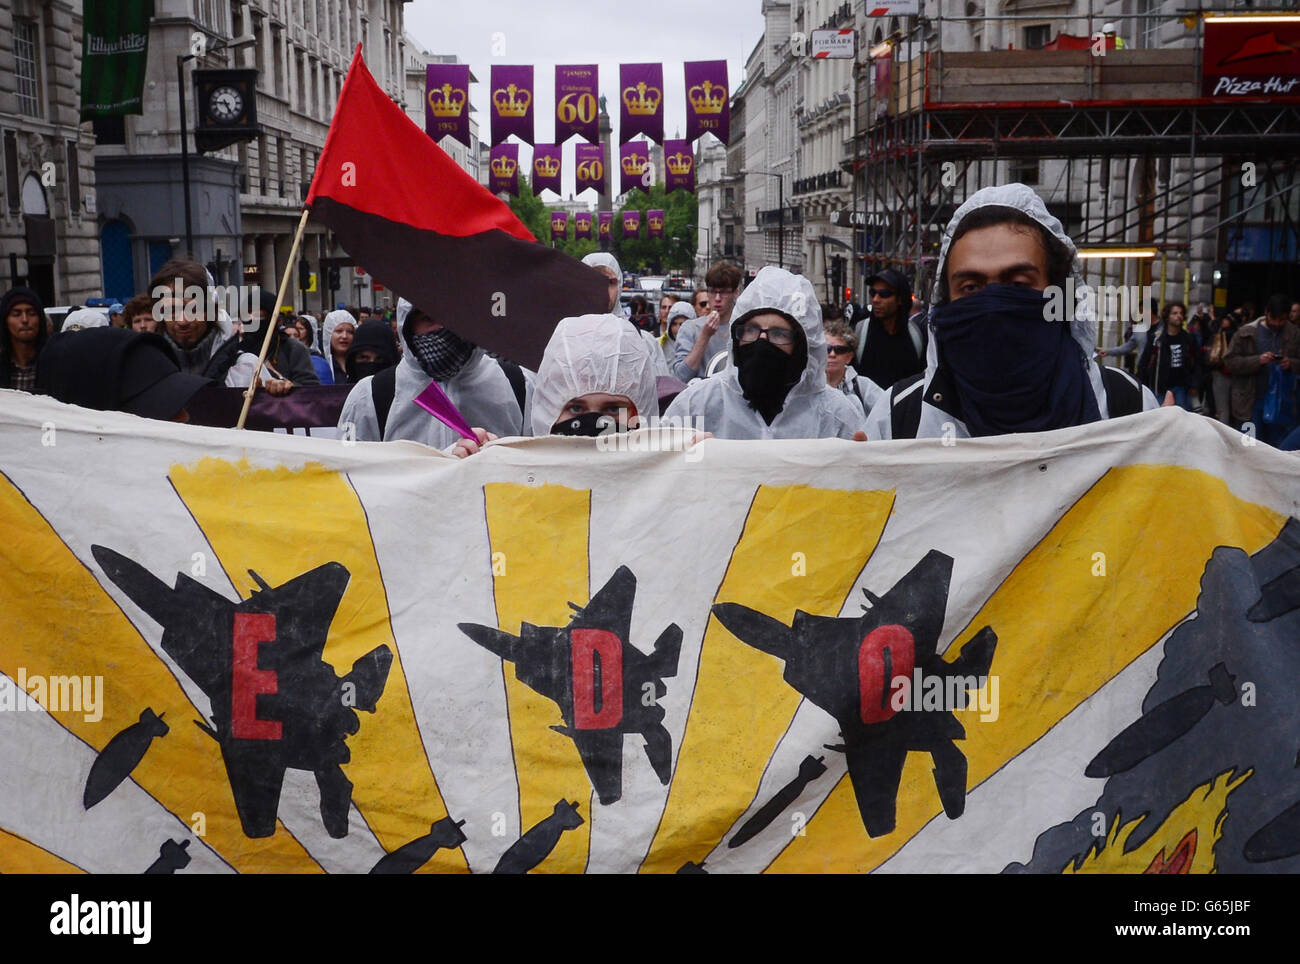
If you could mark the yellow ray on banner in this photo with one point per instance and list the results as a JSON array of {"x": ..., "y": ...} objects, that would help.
[
  {"x": 19, "y": 856},
  {"x": 787, "y": 558},
  {"x": 1118, "y": 570},
  {"x": 269, "y": 520},
  {"x": 57, "y": 621},
  {"x": 540, "y": 565}
]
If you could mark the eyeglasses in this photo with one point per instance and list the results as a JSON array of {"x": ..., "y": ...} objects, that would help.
[
  {"x": 882, "y": 293},
  {"x": 776, "y": 336},
  {"x": 721, "y": 291},
  {"x": 839, "y": 350}
]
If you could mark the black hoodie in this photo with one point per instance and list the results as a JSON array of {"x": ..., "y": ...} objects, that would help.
[{"x": 18, "y": 296}]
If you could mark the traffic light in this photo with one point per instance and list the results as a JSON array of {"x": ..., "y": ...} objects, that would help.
[
  {"x": 334, "y": 281},
  {"x": 304, "y": 276},
  {"x": 848, "y": 295}
]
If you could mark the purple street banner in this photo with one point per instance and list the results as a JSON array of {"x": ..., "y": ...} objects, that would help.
[
  {"x": 546, "y": 167},
  {"x": 631, "y": 224},
  {"x": 503, "y": 169},
  {"x": 446, "y": 102},
  {"x": 654, "y": 221},
  {"x": 560, "y": 225},
  {"x": 679, "y": 166},
  {"x": 576, "y": 102},
  {"x": 606, "y": 224},
  {"x": 512, "y": 103},
  {"x": 582, "y": 224},
  {"x": 708, "y": 103},
  {"x": 589, "y": 167},
  {"x": 634, "y": 165},
  {"x": 308, "y": 409},
  {"x": 641, "y": 101}
]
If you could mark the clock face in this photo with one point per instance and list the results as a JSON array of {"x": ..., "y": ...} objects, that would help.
[{"x": 225, "y": 104}]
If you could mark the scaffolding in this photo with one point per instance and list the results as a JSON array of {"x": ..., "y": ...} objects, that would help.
[{"x": 1142, "y": 157}]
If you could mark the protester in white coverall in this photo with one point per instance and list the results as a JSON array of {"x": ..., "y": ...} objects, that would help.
[
  {"x": 680, "y": 313},
  {"x": 773, "y": 390},
  {"x": 594, "y": 366},
  {"x": 475, "y": 382},
  {"x": 995, "y": 358},
  {"x": 336, "y": 355},
  {"x": 608, "y": 265}
]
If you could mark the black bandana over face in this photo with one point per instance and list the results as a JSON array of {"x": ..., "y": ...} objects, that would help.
[
  {"x": 590, "y": 424},
  {"x": 767, "y": 373},
  {"x": 441, "y": 353}
]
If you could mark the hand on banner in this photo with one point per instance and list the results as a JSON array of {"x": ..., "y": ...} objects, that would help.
[
  {"x": 465, "y": 448},
  {"x": 1169, "y": 400},
  {"x": 279, "y": 386},
  {"x": 859, "y": 436}
]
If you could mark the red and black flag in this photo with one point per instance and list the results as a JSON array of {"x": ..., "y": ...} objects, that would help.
[{"x": 425, "y": 228}]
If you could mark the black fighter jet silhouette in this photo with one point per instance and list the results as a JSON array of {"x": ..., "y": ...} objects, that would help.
[
  {"x": 600, "y": 681},
  {"x": 276, "y": 703},
  {"x": 847, "y": 666}
]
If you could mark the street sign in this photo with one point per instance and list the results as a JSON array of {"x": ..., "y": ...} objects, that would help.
[
  {"x": 893, "y": 8},
  {"x": 832, "y": 44},
  {"x": 857, "y": 219}
]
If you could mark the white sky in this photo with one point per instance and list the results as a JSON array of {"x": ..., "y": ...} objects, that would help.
[{"x": 604, "y": 33}]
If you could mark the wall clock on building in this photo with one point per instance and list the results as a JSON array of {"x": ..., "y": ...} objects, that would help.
[{"x": 225, "y": 104}]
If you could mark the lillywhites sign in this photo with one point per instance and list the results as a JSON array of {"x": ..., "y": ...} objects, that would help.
[
  {"x": 521, "y": 675},
  {"x": 115, "y": 53},
  {"x": 1251, "y": 57}
]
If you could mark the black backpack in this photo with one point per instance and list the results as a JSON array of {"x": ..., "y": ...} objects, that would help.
[
  {"x": 1123, "y": 397},
  {"x": 383, "y": 388}
]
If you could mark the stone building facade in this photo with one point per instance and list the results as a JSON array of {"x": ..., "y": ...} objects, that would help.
[{"x": 48, "y": 210}]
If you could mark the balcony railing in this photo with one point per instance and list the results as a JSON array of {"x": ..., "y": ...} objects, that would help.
[
  {"x": 772, "y": 218},
  {"x": 818, "y": 182}
]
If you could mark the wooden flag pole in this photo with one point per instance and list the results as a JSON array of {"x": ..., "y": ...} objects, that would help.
[{"x": 273, "y": 321}]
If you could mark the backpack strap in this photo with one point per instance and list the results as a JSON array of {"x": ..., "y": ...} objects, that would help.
[
  {"x": 383, "y": 387},
  {"x": 905, "y": 406},
  {"x": 917, "y": 333},
  {"x": 517, "y": 382},
  {"x": 1123, "y": 393}
]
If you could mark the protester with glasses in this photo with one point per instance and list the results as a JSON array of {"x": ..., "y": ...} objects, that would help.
[
  {"x": 776, "y": 387},
  {"x": 840, "y": 346},
  {"x": 701, "y": 340}
]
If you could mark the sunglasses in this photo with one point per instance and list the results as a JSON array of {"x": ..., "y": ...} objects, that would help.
[
  {"x": 839, "y": 350},
  {"x": 882, "y": 293}
]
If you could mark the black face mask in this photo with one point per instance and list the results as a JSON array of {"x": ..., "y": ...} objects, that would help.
[
  {"x": 589, "y": 424},
  {"x": 767, "y": 374},
  {"x": 364, "y": 369}
]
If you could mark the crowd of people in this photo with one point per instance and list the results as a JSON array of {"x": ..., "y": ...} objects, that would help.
[{"x": 981, "y": 356}]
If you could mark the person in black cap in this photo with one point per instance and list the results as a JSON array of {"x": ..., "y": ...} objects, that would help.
[
  {"x": 890, "y": 346},
  {"x": 287, "y": 357},
  {"x": 22, "y": 336},
  {"x": 116, "y": 370},
  {"x": 372, "y": 350}
]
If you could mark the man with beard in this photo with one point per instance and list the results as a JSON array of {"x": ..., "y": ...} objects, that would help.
[
  {"x": 492, "y": 394},
  {"x": 202, "y": 338},
  {"x": 998, "y": 363},
  {"x": 776, "y": 387}
]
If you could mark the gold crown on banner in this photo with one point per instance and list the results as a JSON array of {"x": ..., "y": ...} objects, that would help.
[
  {"x": 446, "y": 101},
  {"x": 708, "y": 97},
  {"x": 641, "y": 100},
  {"x": 656, "y": 222},
  {"x": 635, "y": 164},
  {"x": 510, "y": 101},
  {"x": 559, "y": 220},
  {"x": 503, "y": 166},
  {"x": 582, "y": 219},
  {"x": 679, "y": 163},
  {"x": 548, "y": 165}
]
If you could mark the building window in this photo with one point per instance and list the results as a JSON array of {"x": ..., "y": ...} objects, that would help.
[
  {"x": 1024, "y": 171},
  {"x": 277, "y": 47},
  {"x": 1038, "y": 36},
  {"x": 11, "y": 170},
  {"x": 26, "y": 67},
  {"x": 1148, "y": 24}
]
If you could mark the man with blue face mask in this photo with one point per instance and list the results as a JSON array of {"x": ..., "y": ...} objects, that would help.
[{"x": 1001, "y": 359}]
